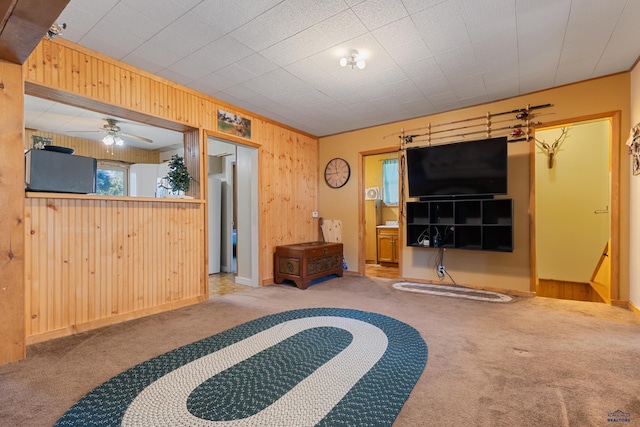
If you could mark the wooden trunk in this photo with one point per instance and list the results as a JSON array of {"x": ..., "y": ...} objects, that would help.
[{"x": 304, "y": 262}]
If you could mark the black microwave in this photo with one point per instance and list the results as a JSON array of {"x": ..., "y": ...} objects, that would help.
[{"x": 56, "y": 172}]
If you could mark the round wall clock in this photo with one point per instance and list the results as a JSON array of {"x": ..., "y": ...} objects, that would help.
[{"x": 337, "y": 172}]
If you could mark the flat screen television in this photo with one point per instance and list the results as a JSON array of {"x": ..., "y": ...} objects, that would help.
[{"x": 469, "y": 168}]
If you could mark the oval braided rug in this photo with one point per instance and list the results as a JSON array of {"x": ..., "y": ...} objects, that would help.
[{"x": 308, "y": 367}]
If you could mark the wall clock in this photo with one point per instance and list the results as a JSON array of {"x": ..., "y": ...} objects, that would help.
[{"x": 337, "y": 172}]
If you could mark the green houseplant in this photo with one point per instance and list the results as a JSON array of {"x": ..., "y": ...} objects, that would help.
[{"x": 178, "y": 176}]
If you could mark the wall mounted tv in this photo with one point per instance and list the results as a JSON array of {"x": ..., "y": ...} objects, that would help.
[{"x": 469, "y": 168}]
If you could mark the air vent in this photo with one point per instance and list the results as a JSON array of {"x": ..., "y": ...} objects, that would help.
[{"x": 372, "y": 193}]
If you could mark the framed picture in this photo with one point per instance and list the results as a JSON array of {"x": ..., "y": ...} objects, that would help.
[{"x": 234, "y": 124}]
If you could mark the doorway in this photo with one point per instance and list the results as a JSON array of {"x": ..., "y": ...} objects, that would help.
[
  {"x": 574, "y": 211},
  {"x": 380, "y": 245},
  {"x": 232, "y": 216}
]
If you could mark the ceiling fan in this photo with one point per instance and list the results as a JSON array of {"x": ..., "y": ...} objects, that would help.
[{"x": 114, "y": 133}]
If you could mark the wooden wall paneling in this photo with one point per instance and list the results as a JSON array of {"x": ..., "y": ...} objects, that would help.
[
  {"x": 95, "y": 149},
  {"x": 79, "y": 249},
  {"x": 136, "y": 235},
  {"x": 12, "y": 215}
]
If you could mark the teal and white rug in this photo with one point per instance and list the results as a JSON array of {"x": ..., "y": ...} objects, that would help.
[{"x": 308, "y": 367}]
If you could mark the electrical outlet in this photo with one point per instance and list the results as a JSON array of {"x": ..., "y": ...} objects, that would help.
[
  {"x": 314, "y": 214},
  {"x": 441, "y": 270}
]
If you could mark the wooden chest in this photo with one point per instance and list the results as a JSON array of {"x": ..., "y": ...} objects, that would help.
[{"x": 304, "y": 262}]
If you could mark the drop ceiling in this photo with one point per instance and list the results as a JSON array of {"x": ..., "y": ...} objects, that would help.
[{"x": 280, "y": 58}]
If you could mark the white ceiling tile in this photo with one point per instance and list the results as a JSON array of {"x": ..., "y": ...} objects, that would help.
[
  {"x": 187, "y": 4},
  {"x": 151, "y": 57},
  {"x": 377, "y": 13},
  {"x": 423, "y": 56},
  {"x": 211, "y": 84},
  {"x": 174, "y": 76},
  {"x": 255, "y": 35},
  {"x": 291, "y": 17},
  {"x": 397, "y": 33},
  {"x": 486, "y": 18},
  {"x": 82, "y": 20},
  {"x": 415, "y": 6},
  {"x": 344, "y": 26},
  {"x": 197, "y": 30},
  {"x": 118, "y": 45},
  {"x": 163, "y": 13},
  {"x": 189, "y": 68},
  {"x": 97, "y": 8},
  {"x": 235, "y": 73},
  {"x": 256, "y": 64},
  {"x": 254, "y": 8},
  {"x": 174, "y": 43},
  {"x": 583, "y": 68},
  {"x": 125, "y": 18},
  {"x": 223, "y": 14},
  {"x": 226, "y": 50},
  {"x": 410, "y": 52}
]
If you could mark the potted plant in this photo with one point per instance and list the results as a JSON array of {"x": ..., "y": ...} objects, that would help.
[{"x": 178, "y": 176}]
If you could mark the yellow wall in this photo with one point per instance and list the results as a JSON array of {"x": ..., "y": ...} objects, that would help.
[
  {"x": 510, "y": 271},
  {"x": 570, "y": 237}
]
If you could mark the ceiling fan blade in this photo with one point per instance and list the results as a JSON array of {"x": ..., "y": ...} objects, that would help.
[
  {"x": 85, "y": 131},
  {"x": 139, "y": 138}
]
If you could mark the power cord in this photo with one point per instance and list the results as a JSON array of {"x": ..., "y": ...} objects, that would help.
[{"x": 442, "y": 272}]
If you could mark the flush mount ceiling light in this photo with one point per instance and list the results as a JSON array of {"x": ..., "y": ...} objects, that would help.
[{"x": 353, "y": 59}]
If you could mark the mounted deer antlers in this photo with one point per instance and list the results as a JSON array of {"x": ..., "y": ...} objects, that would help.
[{"x": 551, "y": 149}]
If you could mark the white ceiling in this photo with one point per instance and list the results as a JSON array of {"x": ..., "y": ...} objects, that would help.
[{"x": 279, "y": 58}]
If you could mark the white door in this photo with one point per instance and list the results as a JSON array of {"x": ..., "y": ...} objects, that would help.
[{"x": 215, "y": 221}]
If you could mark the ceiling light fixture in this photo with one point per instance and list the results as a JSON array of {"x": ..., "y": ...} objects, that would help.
[
  {"x": 353, "y": 59},
  {"x": 111, "y": 139}
]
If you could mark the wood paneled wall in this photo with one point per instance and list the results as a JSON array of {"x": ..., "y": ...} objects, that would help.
[
  {"x": 91, "y": 260},
  {"x": 288, "y": 190},
  {"x": 12, "y": 234},
  {"x": 90, "y": 148},
  {"x": 122, "y": 259}
]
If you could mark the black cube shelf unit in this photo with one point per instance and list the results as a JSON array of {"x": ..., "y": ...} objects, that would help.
[{"x": 482, "y": 225}]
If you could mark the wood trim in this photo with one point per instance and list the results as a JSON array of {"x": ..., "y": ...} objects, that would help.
[
  {"x": 633, "y": 308},
  {"x": 12, "y": 243},
  {"x": 533, "y": 262},
  {"x": 362, "y": 250},
  {"x": 39, "y": 195},
  {"x": 362, "y": 246}
]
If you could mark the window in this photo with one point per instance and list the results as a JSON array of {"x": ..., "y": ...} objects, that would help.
[
  {"x": 390, "y": 182},
  {"x": 112, "y": 179}
]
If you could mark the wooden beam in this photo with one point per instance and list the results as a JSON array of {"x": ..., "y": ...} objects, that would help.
[
  {"x": 23, "y": 23},
  {"x": 12, "y": 278}
]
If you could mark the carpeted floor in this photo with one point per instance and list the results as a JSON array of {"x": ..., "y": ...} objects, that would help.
[{"x": 532, "y": 362}]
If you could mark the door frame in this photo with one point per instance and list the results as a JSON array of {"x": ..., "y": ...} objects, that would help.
[
  {"x": 614, "y": 191},
  {"x": 252, "y": 223},
  {"x": 362, "y": 250}
]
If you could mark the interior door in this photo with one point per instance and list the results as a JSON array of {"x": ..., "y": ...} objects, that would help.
[
  {"x": 572, "y": 200},
  {"x": 215, "y": 223}
]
